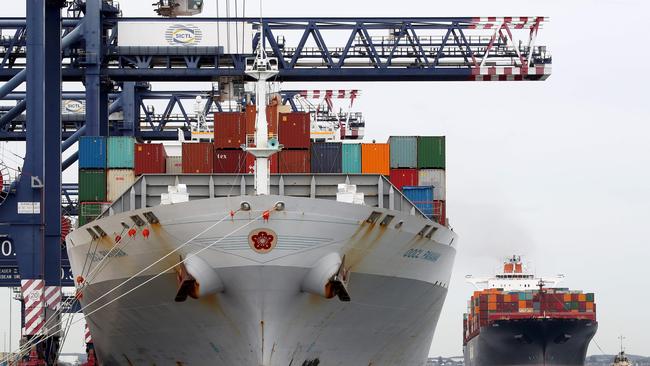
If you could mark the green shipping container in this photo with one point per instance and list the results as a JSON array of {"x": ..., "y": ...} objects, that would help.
[
  {"x": 590, "y": 297},
  {"x": 88, "y": 212},
  {"x": 403, "y": 151},
  {"x": 351, "y": 161},
  {"x": 92, "y": 185},
  {"x": 121, "y": 152},
  {"x": 431, "y": 152}
]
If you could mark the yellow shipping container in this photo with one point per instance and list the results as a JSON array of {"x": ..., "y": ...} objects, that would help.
[
  {"x": 582, "y": 297},
  {"x": 375, "y": 159}
]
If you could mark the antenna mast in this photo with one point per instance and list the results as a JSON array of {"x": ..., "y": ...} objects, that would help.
[{"x": 262, "y": 68}]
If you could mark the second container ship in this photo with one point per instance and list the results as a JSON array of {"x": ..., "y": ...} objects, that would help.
[{"x": 516, "y": 320}]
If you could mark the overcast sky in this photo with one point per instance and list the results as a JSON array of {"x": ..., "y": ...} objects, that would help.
[{"x": 557, "y": 171}]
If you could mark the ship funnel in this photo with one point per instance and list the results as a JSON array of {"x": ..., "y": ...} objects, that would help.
[
  {"x": 196, "y": 279},
  {"x": 328, "y": 278}
]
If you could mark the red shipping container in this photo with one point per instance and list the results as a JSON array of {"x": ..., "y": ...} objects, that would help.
[
  {"x": 150, "y": 159},
  {"x": 440, "y": 212},
  {"x": 404, "y": 177},
  {"x": 250, "y": 164},
  {"x": 249, "y": 117},
  {"x": 294, "y": 161},
  {"x": 294, "y": 130},
  {"x": 229, "y": 161},
  {"x": 198, "y": 157},
  {"x": 229, "y": 130}
]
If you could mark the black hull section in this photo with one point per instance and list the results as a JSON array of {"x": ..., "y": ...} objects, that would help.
[{"x": 551, "y": 342}]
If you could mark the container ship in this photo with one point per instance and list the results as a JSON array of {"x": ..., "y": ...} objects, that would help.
[
  {"x": 316, "y": 258},
  {"x": 518, "y": 319}
]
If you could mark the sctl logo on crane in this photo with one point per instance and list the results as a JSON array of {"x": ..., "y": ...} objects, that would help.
[{"x": 183, "y": 35}]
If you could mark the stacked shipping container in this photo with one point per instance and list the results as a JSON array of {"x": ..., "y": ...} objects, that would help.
[
  {"x": 375, "y": 159},
  {"x": 120, "y": 157},
  {"x": 420, "y": 161},
  {"x": 229, "y": 157},
  {"x": 414, "y": 164},
  {"x": 495, "y": 304},
  {"x": 351, "y": 158},
  {"x": 106, "y": 170},
  {"x": 92, "y": 176},
  {"x": 294, "y": 132},
  {"x": 150, "y": 159},
  {"x": 326, "y": 157},
  {"x": 198, "y": 157}
]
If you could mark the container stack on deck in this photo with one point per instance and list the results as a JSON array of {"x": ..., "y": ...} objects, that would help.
[
  {"x": 492, "y": 305},
  {"x": 414, "y": 164},
  {"x": 92, "y": 177},
  {"x": 294, "y": 132},
  {"x": 326, "y": 157},
  {"x": 351, "y": 158},
  {"x": 152, "y": 159},
  {"x": 230, "y": 130},
  {"x": 106, "y": 170},
  {"x": 417, "y": 167},
  {"x": 120, "y": 163}
]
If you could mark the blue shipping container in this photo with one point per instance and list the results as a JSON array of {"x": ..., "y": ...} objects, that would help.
[
  {"x": 326, "y": 157},
  {"x": 403, "y": 151},
  {"x": 92, "y": 152},
  {"x": 421, "y": 197},
  {"x": 351, "y": 159},
  {"x": 121, "y": 152}
]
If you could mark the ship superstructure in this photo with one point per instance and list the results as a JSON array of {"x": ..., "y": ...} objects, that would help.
[{"x": 515, "y": 318}]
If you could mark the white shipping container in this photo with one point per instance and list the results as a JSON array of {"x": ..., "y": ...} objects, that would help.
[
  {"x": 174, "y": 165},
  {"x": 117, "y": 182},
  {"x": 234, "y": 37},
  {"x": 435, "y": 178}
]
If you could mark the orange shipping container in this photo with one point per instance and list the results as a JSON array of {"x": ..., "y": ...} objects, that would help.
[
  {"x": 507, "y": 298},
  {"x": 582, "y": 297},
  {"x": 567, "y": 297},
  {"x": 522, "y": 304},
  {"x": 375, "y": 159},
  {"x": 492, "y": 298},
  {"x": 492, "y": 306}
]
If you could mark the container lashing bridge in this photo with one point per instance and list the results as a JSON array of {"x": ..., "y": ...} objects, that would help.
[{"x": 93, "y": 46}]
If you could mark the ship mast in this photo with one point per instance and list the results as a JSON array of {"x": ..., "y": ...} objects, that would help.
[
  {"x": 621, "y": 338},
  {"x": 262, "y": 68}
]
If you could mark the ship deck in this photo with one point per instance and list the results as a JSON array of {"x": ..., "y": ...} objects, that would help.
[{"x": 147, "y": 189}]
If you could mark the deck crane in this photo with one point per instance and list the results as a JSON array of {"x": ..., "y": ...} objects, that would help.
[{"x": 94, "y": 47}]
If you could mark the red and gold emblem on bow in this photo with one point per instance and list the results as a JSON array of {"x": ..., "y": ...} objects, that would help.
[{"x": 262, "y": 240}]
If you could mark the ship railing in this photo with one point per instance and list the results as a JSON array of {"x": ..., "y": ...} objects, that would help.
[{"x": 147, "y": 189}]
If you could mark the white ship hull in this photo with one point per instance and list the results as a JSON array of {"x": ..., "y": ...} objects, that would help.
[{"x": 262, "y": 315}]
